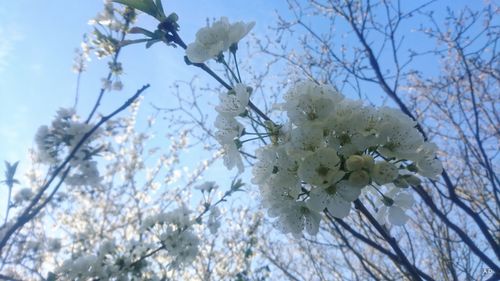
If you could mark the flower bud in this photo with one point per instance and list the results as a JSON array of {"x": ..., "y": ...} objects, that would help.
[
  {"x": 400, "y": 182},
  {"x": 359, "y": 178},
  {"x": 173, "y": 17},
  {"x": 412, "y": 180},
  {"x": 368, "y": 162},
  {"x": 354, "y": 163}
]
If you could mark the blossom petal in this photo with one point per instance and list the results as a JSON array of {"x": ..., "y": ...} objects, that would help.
[
  {"x": 397, "y": 216},
  {"x": 404, "y": 200},
  {"x": 381, "y": 214},
  {"x": 312, "y": 222},
  {"x": 318, "y": 199},
  {"x": 196, "y": 53},
  {"x": 349, "y": 193},
  {"x": 338, "y": 207}
]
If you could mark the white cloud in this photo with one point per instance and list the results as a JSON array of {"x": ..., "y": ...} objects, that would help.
[{"x": 9, "y": 37}]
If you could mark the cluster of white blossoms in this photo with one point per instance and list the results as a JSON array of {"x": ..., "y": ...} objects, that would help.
[
  {"x": 107, "y": 18},
  {"x": 108, "y": 25},
  {"x": 61, "y": 138},
  {"x": 207, "y": 186},
  {"x": 331, "y": 149},
  {"x": 111, "y": 261},
  {"x": 24, "y": 194},
  {"x": 173, "y": 230},
  {"x": 211, "y": 41},
  {"x": 213, "y": 223},
  {"x": 232, "y": 104},
  {"x": 170, "y": 232}
]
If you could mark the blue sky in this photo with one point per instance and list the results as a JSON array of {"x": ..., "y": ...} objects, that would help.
[
  {"x": 37, "y": 51},
  {"x": 37, "y": 45}
]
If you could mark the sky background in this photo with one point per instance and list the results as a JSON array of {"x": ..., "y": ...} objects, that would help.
[
  {"x": 37, "y": 45},
  {"x": 37, "y": 49}
]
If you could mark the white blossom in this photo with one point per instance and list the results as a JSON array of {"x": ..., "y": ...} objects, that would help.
[
  {"x": 304, "y": 140},
  {"x": 117, "y": 85},
  {"x": 213, "y": 40},
  {"x": 232, "y": 157},
  {"x": 87, "y": 174},
  {"x": 309, "y": 103},
  {"x": 398, "y": 135},
  {"x": 229, "y": 131},
  {"x": 46, "y": 145},
  {"x": 266, "y": 164},
  {"x": 106, "y": 84},
  {"x": 53, "y": 244},
  {"x": 336, "y": 198},
  {"x": 427, "y": 163},
  {"x": 234, "y": 102},
  {"x": 395, "y": 203},
  {"x": 320, "y": 168},
  {"x": 213, "y": 223},
  {"x": 384, "y": 172},
  {"x": 206, "y": 186},
  {"x": 294, "y": 216},
  {"x": 22, "y": 195}
]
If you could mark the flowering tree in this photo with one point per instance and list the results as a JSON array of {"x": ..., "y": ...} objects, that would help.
[
  {"x": 359, "y": 187},
  {"x": 371, "y": 45}
]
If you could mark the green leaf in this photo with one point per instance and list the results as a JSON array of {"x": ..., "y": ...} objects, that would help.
[
  {"x": 151, "y": 42},
  {"x": 99, "y": 34},
  {"x": 146, "y": 6},
  {"x": 140, "y": 30},
  {"x": 131, "y": 42},
  {"x": 10, "y": 171},
  {"x": 159, "y": 7}
]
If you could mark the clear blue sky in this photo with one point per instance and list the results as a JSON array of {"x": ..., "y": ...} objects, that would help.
[{"x": 37, "y": 45}]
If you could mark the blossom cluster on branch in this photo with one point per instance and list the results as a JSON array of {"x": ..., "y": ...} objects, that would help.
[
  {"x": 62, "y": 138},
  {"x": 232, "y": 104},
  {"x": 211, "y": 41},
  {"x": 169, "y": 231},
  {"x": 330, "y": 150}
]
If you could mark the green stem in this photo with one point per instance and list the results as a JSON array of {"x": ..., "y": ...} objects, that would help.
[
  {"x": 223, "y": 61},
  {"x": 236, "y": 63},
  {"x": 178, "y": 40}
]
